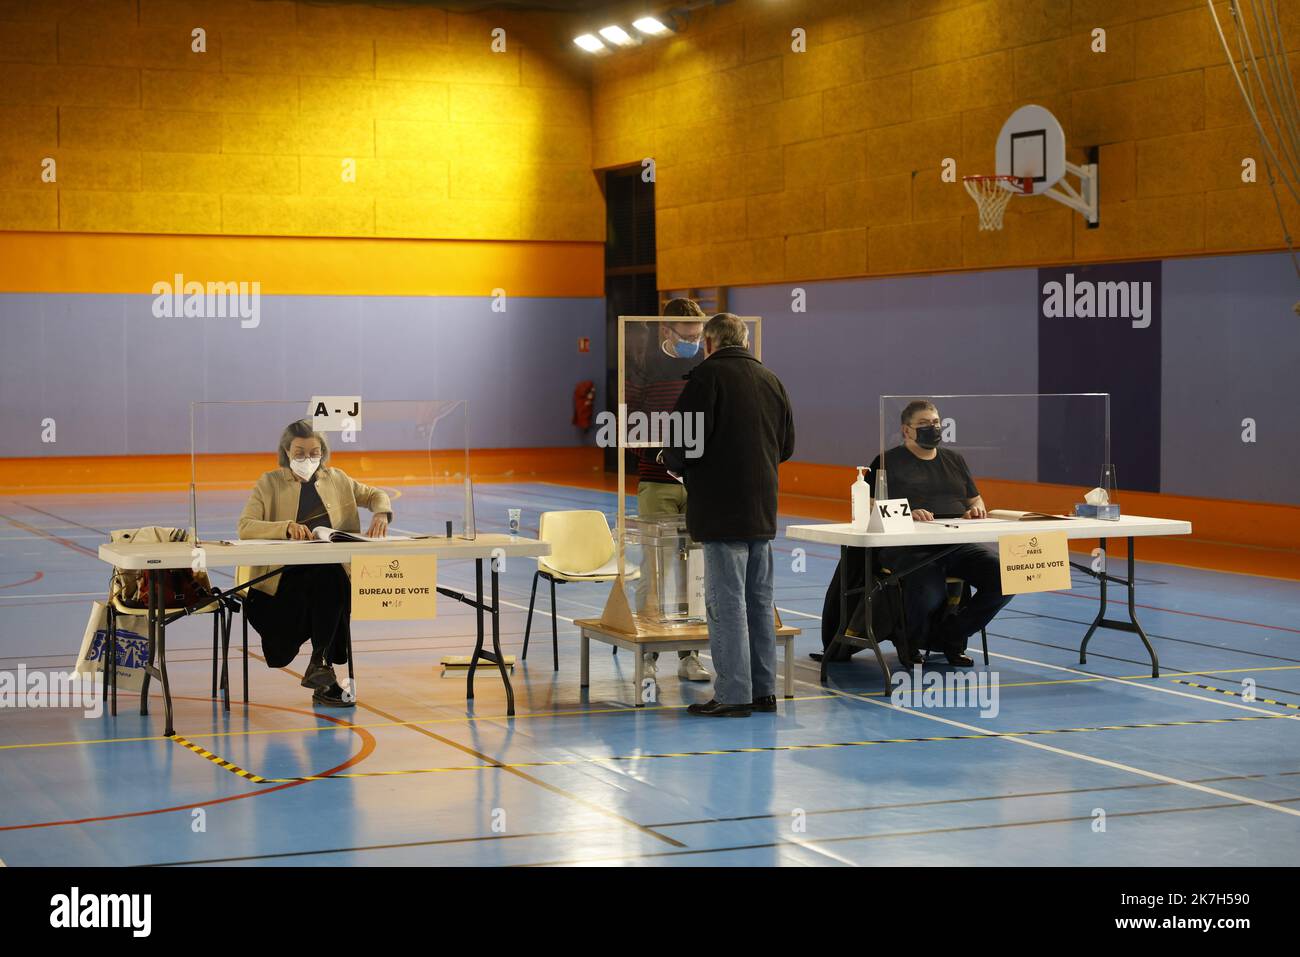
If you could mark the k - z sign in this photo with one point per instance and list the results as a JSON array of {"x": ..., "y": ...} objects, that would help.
[{"x": 890, "y": 515}]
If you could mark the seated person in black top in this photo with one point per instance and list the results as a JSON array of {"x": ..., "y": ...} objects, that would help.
[{"x": 937, "y": 484}]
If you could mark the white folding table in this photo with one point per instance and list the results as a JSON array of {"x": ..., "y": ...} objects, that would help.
[
  {"x": 174, "y": 555},
  {"x": 940, "y": 536}
]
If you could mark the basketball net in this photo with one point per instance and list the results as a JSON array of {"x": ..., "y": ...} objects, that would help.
[{"x": 991, "y": 195}]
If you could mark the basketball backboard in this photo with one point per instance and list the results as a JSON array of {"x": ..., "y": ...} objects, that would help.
[
  {"x": 1032, "y": 144},
  {"x": 1031, "y": 148}
]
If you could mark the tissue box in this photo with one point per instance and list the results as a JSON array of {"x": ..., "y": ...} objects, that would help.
[{"x": 1108, "y": 513}]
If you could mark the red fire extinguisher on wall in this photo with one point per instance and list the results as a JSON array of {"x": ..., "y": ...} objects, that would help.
[{"x": 584, "y": 401}]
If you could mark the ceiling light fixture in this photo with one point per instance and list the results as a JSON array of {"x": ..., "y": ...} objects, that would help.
[
  {"x": 617, "y": 35},
  {"x": 650, "y": 26}
]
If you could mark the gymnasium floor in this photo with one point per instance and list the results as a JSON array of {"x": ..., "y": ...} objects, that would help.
[{"x": 838, "y": 776}]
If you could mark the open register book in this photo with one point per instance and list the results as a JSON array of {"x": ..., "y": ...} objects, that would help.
[
  {"x": 1011, "y": 515},
  {"x": 326, "y": 534}
]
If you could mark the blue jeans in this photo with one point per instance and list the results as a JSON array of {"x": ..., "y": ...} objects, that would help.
[
  {"x": 925, "y": 593},
  {"x": 742, "y": 625}
]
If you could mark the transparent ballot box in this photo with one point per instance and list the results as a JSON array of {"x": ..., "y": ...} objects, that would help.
[
  {"x": 1026, "y": 452},
  {"x": 670, "y": 588},
  {"x": 416, "y": 451}
]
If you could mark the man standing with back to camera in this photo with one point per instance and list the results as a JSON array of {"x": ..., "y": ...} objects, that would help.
[{"x": 747, "y": 430}]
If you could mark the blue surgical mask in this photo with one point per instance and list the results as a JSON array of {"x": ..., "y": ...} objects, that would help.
[{"x": 686, "y": 350}]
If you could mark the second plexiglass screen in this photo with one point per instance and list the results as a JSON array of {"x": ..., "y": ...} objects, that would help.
[
  {"x": 658, "y": 352},
  {"x": 416, "y": 451},
  {"x": 1061, "y": 439}
]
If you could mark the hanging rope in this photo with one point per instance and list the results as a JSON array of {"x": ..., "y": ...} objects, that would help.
[{"x": 1265, "y": 80}]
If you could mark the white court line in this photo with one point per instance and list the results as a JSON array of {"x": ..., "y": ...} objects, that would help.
[
  {"x": 1026, "y": 742},
  {"x": 62, "y": 594},
  {"x": 1123, "y": 681},
  {"x": 1149, "y": 687},
  {"x": 1142, "y": 772},
  {"x": 1026, "y": 661}
]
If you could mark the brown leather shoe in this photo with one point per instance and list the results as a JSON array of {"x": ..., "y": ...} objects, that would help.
[{"x": 765, "y": 704}]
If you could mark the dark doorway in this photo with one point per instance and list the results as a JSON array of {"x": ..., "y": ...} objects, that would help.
[{"x": 631, "y": 282}]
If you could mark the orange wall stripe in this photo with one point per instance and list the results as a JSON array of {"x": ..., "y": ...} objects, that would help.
[
  {"x": 289, "y": 266},
  {"x": 1250, "y": 538},
  {"x": 1259, "y": 524}
]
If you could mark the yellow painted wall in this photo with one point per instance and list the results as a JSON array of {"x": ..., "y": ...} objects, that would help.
[
  {"x": 773, "y": 166},
  {"x": 451, "y": 140}
]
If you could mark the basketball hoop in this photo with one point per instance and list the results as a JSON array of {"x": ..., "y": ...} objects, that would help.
[{"x": 993, "y": 193}]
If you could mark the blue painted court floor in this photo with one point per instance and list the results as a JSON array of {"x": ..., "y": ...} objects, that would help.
[{"x": 1080, "y": 764}]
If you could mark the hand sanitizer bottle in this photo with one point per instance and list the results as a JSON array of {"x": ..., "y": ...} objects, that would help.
[{"x": 860, "y": 493}]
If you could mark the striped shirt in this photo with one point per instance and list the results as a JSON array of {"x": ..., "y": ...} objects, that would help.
[{"x": 654, "y": 385}]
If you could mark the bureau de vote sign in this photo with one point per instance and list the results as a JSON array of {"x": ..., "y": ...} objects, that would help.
[
  {"x": 1035, "y": 561},
  {"x": 394, "y": 587}
]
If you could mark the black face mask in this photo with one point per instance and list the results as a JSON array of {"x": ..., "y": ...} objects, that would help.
[{"x": 929, "y": 436}]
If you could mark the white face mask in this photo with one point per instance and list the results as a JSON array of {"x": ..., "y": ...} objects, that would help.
[{"x": 304, "y": 469}]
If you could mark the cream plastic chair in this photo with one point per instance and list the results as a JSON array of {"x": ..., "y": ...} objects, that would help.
[{"x": 582, "y": 550}]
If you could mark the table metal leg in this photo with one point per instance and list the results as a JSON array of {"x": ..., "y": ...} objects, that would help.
[
  {"x": 869, "y": 590},
  {"x": 151, "y": 634},
  {"x": 243, "y": 618},
  {"x": 830, "y": 649},
  {"x": 638, "y": 676},
  {"x": 169, "y": 729},
  {"x": 1132, "y": 625},
  {"x": 584, "y": 654},
  {"x": 496, "y": 643},
  {"x": 788, "y": 659},
  {"x": 870, "y": 580},
  {"x": 1101, "y": 608},
  {"x": 1132, "y": 612},
  {"x": 112, "y": 658},
  {"x": 478, "y": 640},
  {"x": 226, "y": 616},
  {"x": 216, "y": 627}
]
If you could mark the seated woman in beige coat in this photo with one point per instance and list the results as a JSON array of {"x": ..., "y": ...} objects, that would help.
[{"x": 307, "y": 602}]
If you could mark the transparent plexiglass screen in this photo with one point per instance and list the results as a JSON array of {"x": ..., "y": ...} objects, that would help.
[
  {"x": 657, "y": 353},
  {"x": 1057, "y": 439},
  {"x": 415, "y": 451}
]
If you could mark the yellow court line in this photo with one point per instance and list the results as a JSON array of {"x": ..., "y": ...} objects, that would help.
[
  {"x": 384, "y": 724},
  {"x": 1146, "y": 675},
  {"x": 1236, "y": 694},
  {"x": 624, "y": 758},
  {"x": 565, "y": 714}
]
